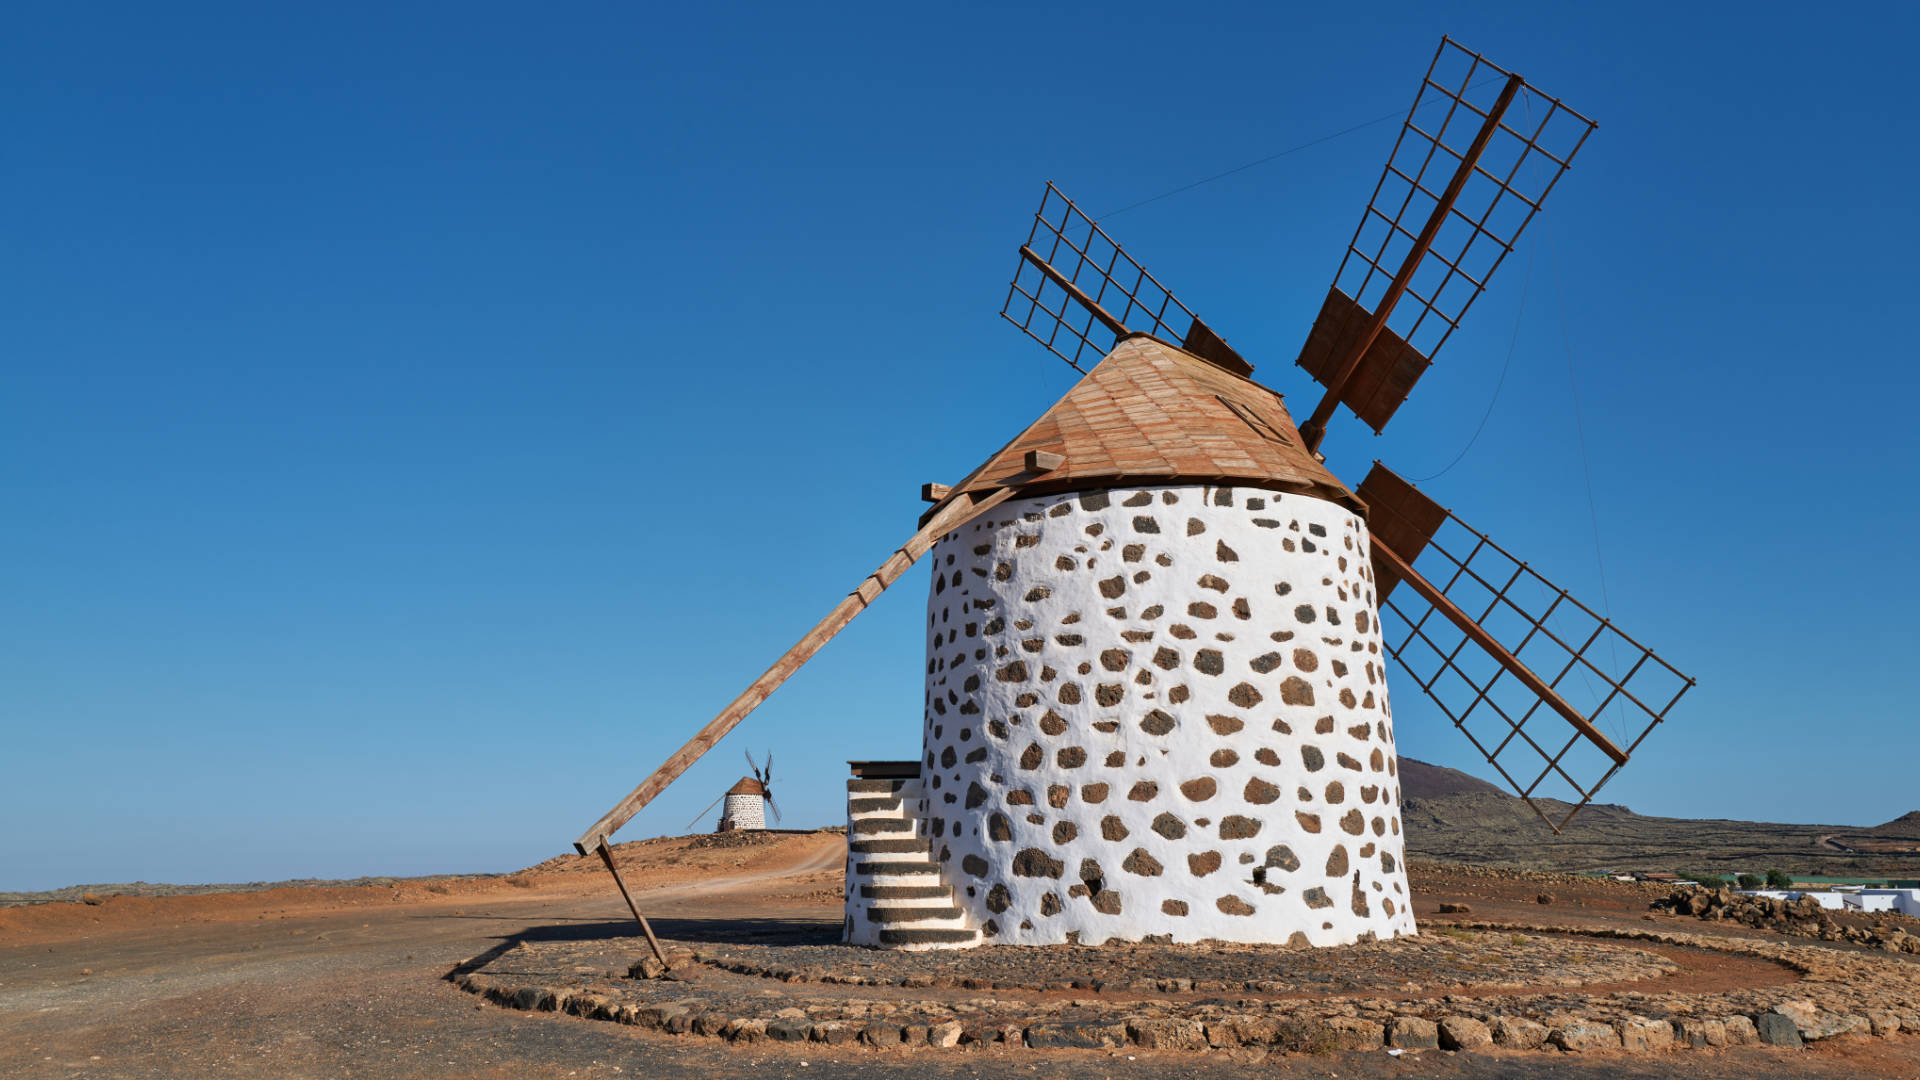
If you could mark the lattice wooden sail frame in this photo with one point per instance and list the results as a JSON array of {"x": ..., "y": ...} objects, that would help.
[
  {"x": 1076, "y": 292},
  {"x": 1622, "y": 687},
  {"x": 1528, "y": 150},
  {"x": 1471, "y": 168}
]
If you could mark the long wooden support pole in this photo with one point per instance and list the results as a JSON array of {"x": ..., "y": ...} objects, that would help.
[
  {"x": 1315, "y": 429},
  {"x": 606, "y": 856},
  {"x": 1432, "y": 594},
  {"x": 1119, "y": 328},
  {"x": 950, "y": 517}
]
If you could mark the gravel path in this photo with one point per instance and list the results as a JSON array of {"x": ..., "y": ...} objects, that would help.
[{"x": 1434, "y": 963}]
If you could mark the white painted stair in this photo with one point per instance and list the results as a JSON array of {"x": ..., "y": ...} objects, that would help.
[{"x": 896, "y": 898}]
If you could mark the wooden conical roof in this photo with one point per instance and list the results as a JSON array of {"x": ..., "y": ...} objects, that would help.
[
  {"x": 747, "y": 786},
  {"x": 1150, "y": 412}
]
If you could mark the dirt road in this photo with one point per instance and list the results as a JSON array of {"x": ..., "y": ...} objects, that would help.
[{"x": 347, "y": 983}]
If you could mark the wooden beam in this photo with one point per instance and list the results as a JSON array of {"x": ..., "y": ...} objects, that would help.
[
  {"x": 1080, "y": 295},
  {"x": 1202, "y": 342},
  {"x": 1315, "y": 429},
  {"x": 1039, "y": 461},
  {"x": 950, "y": 517},
  {"x": 1432, "y": 594},
  {"x": 606, "y": 856},
  {"x": 933, "y": 493}
]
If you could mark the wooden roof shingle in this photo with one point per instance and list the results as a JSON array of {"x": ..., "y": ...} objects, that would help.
[{"x": 1151, "y": 412}]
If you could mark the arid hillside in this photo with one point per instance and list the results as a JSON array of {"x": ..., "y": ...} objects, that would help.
[{"x": 1455, "y": 817}]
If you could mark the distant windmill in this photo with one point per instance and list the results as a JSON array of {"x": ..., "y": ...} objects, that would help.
[
  {"x": 1156, "y": 698},
  {"x": 743, "y": 809}
]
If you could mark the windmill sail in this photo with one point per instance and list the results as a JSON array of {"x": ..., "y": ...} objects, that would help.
[
  {"x": 1540, "y": 661},
  {"x": 1076, "y": 293},
  {"x": 765, "y": 773},
  {"x": 1476, "y": 158}
]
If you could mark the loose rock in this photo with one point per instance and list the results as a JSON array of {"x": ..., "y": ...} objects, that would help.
[
  {"x": 1777, "y": 1029},
  {"x": 1641, "y": 1033},
  {"x": 878, "y": 1034},
  {"x": 1702, "y": 1033},
  {"x": 1167, "y": 1034},
  {"x": 1518, "y": 1033},
  {"x": 789, "y": 1030},
  {"x": 1413, "y": 1033},
  {"x": 1580, "y": 1036},
  {"x": 1353, "y": 1033},
  {"x": 1087, "y": 1036},
  {"x": 1463, "y": 1033},
  {"x": 943, "y": 1035}
]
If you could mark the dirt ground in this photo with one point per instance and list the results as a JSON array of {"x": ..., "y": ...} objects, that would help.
[{"x": 348, "y": 982}]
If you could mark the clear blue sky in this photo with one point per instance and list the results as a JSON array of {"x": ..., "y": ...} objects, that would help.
[{"x": 414, "y": 422}]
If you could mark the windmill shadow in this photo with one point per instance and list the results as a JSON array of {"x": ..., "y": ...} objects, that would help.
[{"x": 615, "y": 933}]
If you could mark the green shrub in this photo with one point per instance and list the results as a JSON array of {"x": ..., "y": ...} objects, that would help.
[
  {"x": 1711, "y": 881},
  {"x": 1779, "y": 879},
  {"x": 1751, "y": 881}
]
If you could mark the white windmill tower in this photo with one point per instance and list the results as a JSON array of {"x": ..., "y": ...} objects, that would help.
[{"x": 746, "y": 804}]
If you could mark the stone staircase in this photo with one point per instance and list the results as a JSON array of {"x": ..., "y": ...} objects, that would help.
[{"x": 896, "y": 898}]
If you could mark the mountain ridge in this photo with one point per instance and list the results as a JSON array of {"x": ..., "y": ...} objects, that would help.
[{"x": 1453, "y": 816}]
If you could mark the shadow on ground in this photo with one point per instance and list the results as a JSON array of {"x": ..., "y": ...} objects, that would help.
[{"x": 674, "y": 932}]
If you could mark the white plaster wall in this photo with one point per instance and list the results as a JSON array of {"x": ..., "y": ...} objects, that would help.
[
  {"x": 1162, "y": 711},
  {"x": 1905, "y": 901},
  {"x": 746, "y": 811}
]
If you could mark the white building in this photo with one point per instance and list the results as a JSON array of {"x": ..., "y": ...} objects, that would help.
[{"x": 1897, "y": 901}]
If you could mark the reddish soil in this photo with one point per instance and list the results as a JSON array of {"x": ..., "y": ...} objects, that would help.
[{"x": 347, "y": 982}]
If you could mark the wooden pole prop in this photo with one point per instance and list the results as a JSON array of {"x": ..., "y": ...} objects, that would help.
[
  {"x": 950, "y": 517},
  {"x": 606, "y": 856}
]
